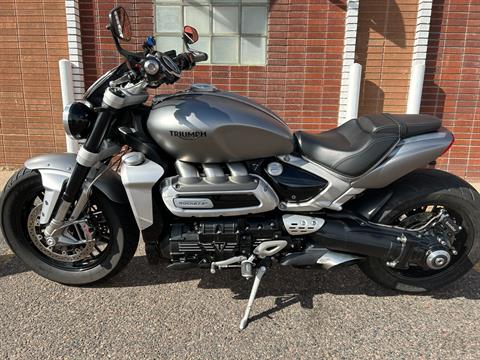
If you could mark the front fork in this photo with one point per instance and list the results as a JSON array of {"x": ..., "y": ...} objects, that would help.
[{"x": 87, "y": 157}]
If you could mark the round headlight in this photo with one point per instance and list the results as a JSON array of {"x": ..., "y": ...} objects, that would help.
[{"x": 78, "y": 120}]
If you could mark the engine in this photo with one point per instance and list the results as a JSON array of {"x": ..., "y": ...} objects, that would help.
[
  {"x": 202, "y": 242},
  {"x": 212, "y": 190}
]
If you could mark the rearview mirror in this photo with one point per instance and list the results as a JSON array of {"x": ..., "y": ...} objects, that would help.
[
  {"x": 190, "y": 34},
  {"x": 120, "y": 24}
]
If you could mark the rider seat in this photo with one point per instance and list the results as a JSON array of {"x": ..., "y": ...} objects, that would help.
[{"x": 354, "y": 147}]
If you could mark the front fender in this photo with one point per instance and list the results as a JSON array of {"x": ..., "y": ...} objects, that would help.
[{"x": 55, "y": 170}]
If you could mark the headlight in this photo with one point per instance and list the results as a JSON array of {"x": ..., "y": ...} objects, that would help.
[{"x": 78, "y": 120}]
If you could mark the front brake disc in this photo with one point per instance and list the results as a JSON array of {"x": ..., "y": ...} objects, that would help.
[{"x": 65, "y": 253}]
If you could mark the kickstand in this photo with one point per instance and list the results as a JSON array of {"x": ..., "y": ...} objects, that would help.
[{"x": 258, "y": 277}]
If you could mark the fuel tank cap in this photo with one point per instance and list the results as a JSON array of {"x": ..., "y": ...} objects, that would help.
[
  {"x": 203, "y": 88},
  {"x": 275, "y": 168}
]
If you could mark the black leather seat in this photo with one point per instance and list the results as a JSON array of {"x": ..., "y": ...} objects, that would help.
[{"x": 354, "y": 147}]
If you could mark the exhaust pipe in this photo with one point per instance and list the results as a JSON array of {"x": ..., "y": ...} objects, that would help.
[{"x": 355, "y": 236}]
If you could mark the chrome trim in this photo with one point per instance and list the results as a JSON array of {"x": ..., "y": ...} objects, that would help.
[
  {"x": 193, "y": 203},
  {"x": 65, "y": 115},
  {"x": 86, "y": 158},
  {"x": 275, "y": 168},
  {"x": 151, "y": 66},
  {"x": 269, "y": 248},
  {"x": 238, "y": 172},
  {"x": 237, "y": 169},
  {"x": 213, "y": 173},
  {"x": 131, "y": 94},
  {"x": 333, "y": 258},
  {"x": 438, "y": 259},
  {"x": 186, "y": 170},
  {"x": 133, "y": 158},
  {"x": 263, "y": 192},
  {"x": 301, "y": 224}
]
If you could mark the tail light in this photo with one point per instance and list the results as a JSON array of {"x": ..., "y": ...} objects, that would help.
[{"x": 449, "y": 146}]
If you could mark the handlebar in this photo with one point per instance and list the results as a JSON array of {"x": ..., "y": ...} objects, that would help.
[{"x": 158, "y": 68}]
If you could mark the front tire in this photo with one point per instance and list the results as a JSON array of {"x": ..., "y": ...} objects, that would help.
[
  {"x": 421, "y": 191},
  {"x": 16, "y": 204}
]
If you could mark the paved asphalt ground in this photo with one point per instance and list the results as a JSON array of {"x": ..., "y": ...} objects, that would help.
[{"x": 147, "y": 312}]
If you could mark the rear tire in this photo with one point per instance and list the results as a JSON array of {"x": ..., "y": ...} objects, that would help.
[
  {"x": 422, "y": 187},
  {"x": 122, "y": 243}
]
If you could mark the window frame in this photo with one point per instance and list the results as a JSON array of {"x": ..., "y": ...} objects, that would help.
[{"x": 239, "y": 4}]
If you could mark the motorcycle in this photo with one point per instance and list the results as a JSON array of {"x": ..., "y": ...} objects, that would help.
[{"x": 214, "y": 180}]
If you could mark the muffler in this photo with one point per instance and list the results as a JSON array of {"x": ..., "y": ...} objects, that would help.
[
  {"x": 344, "y": 240},
  {"x": 355, "y": 236}
]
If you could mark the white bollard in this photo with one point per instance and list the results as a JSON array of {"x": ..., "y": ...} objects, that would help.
[
  {"x": 66, "y": 83},
  {"x": 416, "y": 88},
  {"x": 353, "y": 99}
]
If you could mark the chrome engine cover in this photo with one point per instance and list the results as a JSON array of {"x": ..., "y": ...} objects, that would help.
[{"x": 193, "y": 195}]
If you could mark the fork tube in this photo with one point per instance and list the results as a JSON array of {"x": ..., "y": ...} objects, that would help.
[
  {"x": 92, "y": 146},
  {"x": 81, "y": 169}
]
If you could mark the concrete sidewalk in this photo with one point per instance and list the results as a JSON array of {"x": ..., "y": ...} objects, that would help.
[{"x": 4, "y": 176}]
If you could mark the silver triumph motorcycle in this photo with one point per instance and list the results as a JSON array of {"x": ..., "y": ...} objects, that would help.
[{"x": 214, "y": 180}]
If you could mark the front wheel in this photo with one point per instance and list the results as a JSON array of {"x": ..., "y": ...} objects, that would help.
[
  {"x": 89, "y": 251},
  {"x": 416, "y": 199}
]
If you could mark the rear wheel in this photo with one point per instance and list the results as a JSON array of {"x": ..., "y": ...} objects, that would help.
[
  {"x": 417, "y": 198},
  {"x": 98, "y": 247}
]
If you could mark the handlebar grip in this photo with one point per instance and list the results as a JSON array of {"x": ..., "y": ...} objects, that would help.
[{"x": 199, "y": 56}]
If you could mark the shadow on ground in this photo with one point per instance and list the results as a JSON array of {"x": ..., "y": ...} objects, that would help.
[{"x": 288, "y": 285}]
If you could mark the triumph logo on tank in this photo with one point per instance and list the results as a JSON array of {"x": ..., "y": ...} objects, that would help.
[{"x": 188, "y": 135}]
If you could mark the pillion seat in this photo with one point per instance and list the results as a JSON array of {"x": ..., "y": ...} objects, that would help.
[{"x": 354, "y": 147}]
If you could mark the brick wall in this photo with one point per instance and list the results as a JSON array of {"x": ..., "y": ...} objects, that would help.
[
  {"x": 386, "y": 33},
  {"x": 99, "y": 53},
  {"x": 452, "y": 82},
  {"x": 300, "y": 81},
  {"x": 33, "y": 38},
  {"x": 301, "y": 88}
]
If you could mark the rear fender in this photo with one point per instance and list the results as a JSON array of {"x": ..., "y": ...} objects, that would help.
[
  {"x": 55, "y": 170},
  {"x": 410, "y": 154}
]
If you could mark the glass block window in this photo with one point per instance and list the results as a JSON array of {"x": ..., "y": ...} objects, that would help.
[{"x": 231, "y": 31}]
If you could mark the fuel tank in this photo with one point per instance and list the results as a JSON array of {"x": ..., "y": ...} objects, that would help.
[{"x": 206, "y": 125}]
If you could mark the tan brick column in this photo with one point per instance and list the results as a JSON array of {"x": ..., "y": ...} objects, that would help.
[
  {"x": 33, "y": 37},
  {"x": 384, "y": 48}
]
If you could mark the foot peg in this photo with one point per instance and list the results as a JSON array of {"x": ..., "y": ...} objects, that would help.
[
  {"x": 258, "y": 277},
  {"x": 229, "y": 263}
]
